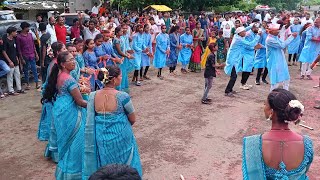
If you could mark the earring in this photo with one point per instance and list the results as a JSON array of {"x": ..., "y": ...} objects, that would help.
[{"x": 269, "y": 118}]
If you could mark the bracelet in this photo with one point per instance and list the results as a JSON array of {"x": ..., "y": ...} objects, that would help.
[{"x": 86, "y": 71}]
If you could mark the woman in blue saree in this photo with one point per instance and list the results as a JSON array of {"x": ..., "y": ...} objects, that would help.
[
  {"x": 109, "y": 137},
  {"x": 68, "y": 117},
  {"x": 122, "y": 49},
  {"x": 280, "y": 153},
  {"x": 46, "y": 130}
]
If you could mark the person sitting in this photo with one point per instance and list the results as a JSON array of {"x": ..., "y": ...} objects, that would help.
[
  {"x": 279, "y": 153},
  {"x": 116, "y": 172}
]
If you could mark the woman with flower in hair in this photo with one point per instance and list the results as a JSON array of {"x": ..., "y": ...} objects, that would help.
[
  {"x": 109, "y": 138},
  {"x": 279, "y": 153}
]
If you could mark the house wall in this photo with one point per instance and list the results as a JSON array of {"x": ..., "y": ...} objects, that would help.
[{"x": 81, "y": 5}]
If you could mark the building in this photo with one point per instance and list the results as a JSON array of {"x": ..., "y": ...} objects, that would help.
[
  {"x": 81, "y": 5},
  {"x": 29, "y": 9}
]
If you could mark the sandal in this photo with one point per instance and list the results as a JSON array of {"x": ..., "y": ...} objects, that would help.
[
  {"x": 27, "y": 87},
  {"x": 21, "y": 92},
  {"x": 13, "y": 93},
  {"x": 2, "y": 96},
  {"x": 38, "y": 87}
]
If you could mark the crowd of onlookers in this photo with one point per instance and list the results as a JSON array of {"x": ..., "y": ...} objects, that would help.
[{"x": 21, "y": 51}]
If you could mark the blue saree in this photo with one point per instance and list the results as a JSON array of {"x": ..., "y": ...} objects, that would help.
[
  {"x": 69, "y": 124},
  {"x": 253, "y": 166},
  {"x": 46, "y": 130},
  {"x": 127, "y": 65},
  {"x": 109, "y": 138}
]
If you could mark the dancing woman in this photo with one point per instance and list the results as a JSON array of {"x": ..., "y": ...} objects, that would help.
[
  {"x": 109, "y": 137},
  {"x": 47, "y": 131},
  {"x": 162, "y": 51},
  {"x": 68, "y": 117},
  {"x": 121, "y": 49},
  {"x": 174, "y": 49},
  {"x": 186, "y": 51}
]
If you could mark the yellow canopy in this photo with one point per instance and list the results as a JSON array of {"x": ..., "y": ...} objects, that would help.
[{"x": 159, "y": 8}]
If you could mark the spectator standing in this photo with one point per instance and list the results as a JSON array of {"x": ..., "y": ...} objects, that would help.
[
  {"x": 226, "y": 27},
  {"x": 160, "y": 21},
  {"x": 306, "y": 20},
  {"x": 4, "y": 68},
  {"x": 95, "y": 8},
  {"x": 45, "y": 47},
  {"x": 51, "y": 29},
  {"x": 28, "y": 54},
  {"x": 61, "y": 30},
  {"x": 89, "y": 32},
  {"x": 9, "y": 53},
  {"x": 75, "y": 29}
]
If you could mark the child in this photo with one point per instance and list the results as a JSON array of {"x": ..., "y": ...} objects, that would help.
[
  {"x": 91, "y": 60},
  {"x": 222, "y": 44},
  {"x": 210, "y": 72},
  {"x": 212, "y": 39}
]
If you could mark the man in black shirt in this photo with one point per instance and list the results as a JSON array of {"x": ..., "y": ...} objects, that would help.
[
  {"x": 10, "y": 55},
  {"x": 45, "y": 42}
]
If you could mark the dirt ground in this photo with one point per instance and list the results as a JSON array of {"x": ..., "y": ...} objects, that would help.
[{"x": 176, "y": 134}]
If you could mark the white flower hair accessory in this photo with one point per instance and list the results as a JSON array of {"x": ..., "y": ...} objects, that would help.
[
  {"x": 105, "y": 75},
  {"x": 296, "y": 104}
]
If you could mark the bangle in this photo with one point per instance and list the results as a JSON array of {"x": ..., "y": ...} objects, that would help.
[{"x": 86, "y": 71}]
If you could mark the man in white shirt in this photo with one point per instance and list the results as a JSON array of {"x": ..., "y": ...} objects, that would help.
[
  {"x": 88, "y": 32},
  {"x": 95, "y": 8},
  {"x": 226, "y": 27},
  {"x": 267, "y": 17},
  {"x": 51, "y": 30},
  {"x": 258, "y": 16},
  {"x": 160, "y": 21},
  {"x": 306, "y": 20},
  {"x": 274, "y": 18}
]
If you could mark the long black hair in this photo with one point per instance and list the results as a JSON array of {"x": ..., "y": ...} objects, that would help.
[
  {"x": 51, "y": 88},
  {"x": 279, "y": 100},
  {"x": 85, "y": 48},
  {"x": 98, "y": 36},
  {"x": 304, "y": 27},
  {"x": 174, "y": 29},
  {"x": 56, "y": 47}
]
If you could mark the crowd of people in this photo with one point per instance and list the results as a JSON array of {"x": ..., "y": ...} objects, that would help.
[{"x": 87, "y": 112}]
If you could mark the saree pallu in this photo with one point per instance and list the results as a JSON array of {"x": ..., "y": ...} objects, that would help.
[
  {"x": 46, "y": 111},
  {"x": 252, "y": 164},
  {"x": 45, "y": 121},
  {"x": 69, "y": 123},
  {"x": 207, "y": 52},
  {"x": 109, "y": 139},
  {"x": 126, "y": 67}
]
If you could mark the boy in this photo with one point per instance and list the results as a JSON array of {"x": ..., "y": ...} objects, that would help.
[
  {"x": 210, "y": 72},
  {"x": 10, "y": 55}
]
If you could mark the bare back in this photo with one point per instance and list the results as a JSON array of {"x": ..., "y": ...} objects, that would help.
[
  {"x": 287, "y": 147},
  {"x": 105, "y": 101}
]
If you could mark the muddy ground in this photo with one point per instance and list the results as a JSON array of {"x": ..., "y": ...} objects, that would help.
[{"x": 176, "y": 134}]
